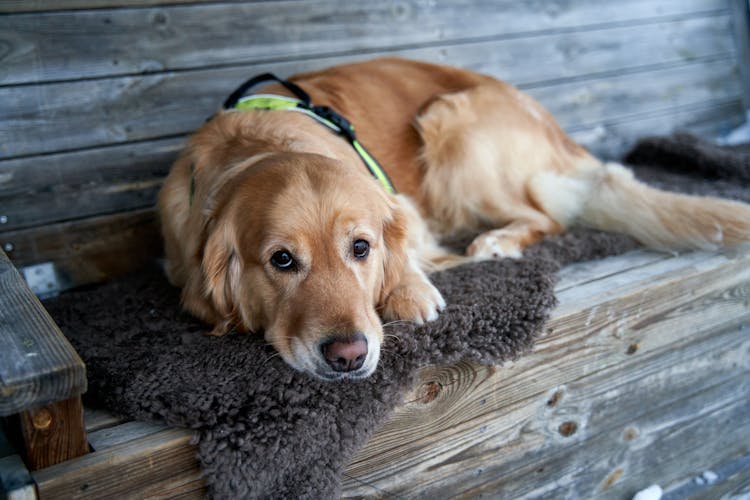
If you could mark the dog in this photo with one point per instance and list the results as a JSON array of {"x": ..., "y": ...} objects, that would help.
[{"x": 272, "y": 223}]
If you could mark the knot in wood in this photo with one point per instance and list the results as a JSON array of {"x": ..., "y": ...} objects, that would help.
[
  {"x": 567, "y": 429},
  {"x": 630, "y": 434},
  {"x": 429, "y": 391},
  {"x": 42, "y": 419},
  {"x": 552, "y": 402}
]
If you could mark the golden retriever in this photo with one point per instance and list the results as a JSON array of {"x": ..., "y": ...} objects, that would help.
[{"x": 272, "y": 224}]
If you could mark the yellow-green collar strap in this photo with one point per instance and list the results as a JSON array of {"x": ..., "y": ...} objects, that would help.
[{"x": 323, "y": 115}]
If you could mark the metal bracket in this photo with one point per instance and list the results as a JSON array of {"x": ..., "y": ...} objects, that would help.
[{"x": 42, "y": 279}]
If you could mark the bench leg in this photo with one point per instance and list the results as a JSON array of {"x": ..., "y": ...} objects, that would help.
[{"x": 54, "y": 433}]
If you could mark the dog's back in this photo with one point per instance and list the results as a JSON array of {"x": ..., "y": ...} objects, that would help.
[{"x": 475, "y": 153}]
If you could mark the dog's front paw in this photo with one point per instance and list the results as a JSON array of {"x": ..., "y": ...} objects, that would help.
[{"x": 417, "y": 301}]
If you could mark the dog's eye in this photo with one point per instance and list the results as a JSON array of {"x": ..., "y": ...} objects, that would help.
[
  {"x": 360, "y": 249},
  {"x": 283, "y": 260}
]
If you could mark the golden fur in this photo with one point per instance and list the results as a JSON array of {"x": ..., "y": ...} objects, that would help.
[{"x": 465, "y": 152}]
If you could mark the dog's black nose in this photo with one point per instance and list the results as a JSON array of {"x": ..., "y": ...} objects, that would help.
[{"x": 345, "y": 354}]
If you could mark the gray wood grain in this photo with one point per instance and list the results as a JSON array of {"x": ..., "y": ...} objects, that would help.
[
  {"x": 672, "y": 408},
  {"x": 741, "y": 28},
  {"x": 41, "y": 47},
  {"x": 80, "y": 184},
  {"x": 674, "y": 438},
  {"x": 90, "y": 250},
  {"x": 652, "y": 422},
  {"x": 118, "y": 434},
  {"x": 628, "y": 95},
  {"x": 611, "y": 138},
  {"x": 116, "y": 110},
  {"x": 122, "y": 471},
  {"x": 132, "y": 233},
  {"x": 16, "y": 6},
  {"x": 37, "y": 363},
  {"x": 636, "y": 371}
]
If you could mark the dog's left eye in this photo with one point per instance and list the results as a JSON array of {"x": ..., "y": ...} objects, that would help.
[
  {"x": 283, "y": 261},
  {"x": 360, "y": 249}
]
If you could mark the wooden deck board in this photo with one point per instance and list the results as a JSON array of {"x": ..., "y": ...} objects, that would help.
[
  {"x": 122, "y": 433},
  {"x": 648, "y": 314},
  {"x": 120, "y": 470},
  {"x": 643, "y": 376},
  {"x": 96, "y": 420}
]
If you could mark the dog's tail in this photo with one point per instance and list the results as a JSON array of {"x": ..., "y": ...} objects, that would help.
[{"x": 611, "y": 199}]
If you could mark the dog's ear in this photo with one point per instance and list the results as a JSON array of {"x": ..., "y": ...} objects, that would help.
[
  {"x": 221, "y": 268},
  {"x": 395, "y": 254}
]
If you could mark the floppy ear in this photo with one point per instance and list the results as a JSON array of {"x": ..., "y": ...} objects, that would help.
[
  {"x": 221, "y": 275},
  {"x": 394, "y": 255}
]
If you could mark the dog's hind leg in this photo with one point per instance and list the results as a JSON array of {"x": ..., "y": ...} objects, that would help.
[
  {"x": 495, "y": 159},
  {"x": 485, "y": 149}
]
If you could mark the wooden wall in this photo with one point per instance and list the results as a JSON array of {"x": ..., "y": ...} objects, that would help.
[{"x": 97, "y": 97}]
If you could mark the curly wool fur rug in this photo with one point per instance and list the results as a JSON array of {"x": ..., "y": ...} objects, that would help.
[{"x": 264, "y": 430}]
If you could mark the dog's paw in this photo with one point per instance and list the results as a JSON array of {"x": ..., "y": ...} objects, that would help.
[
  {"x": 495, "y": 244},
  {"x": 221, "y": 329},
  {"x": 419, "y": 302}
]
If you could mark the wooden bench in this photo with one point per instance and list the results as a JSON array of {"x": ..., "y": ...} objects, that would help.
[
  {"x": 642, "y": 374},
  {"x": 41, "y": 379}
]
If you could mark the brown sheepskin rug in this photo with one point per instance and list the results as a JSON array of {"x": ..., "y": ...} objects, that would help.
[{"x": 264, "y": 430}]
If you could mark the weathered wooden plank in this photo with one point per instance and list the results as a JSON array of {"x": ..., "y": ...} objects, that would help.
[
  {"x": 97, "y": 420},
  {"x": 584, "y": 103},
  {"x": 51, "y": 188},
  {"x": 79, "y": 199},
  {"x": 92, "y": 250},
  {"x": 168, "y": 104},
  {"x": 741, "y": 27},
  {"x": 55, "y": 188},
  {"x": 579, "y": 55},
  {"x": 580, "y": 273},
  {"x": 188, "y": 485},
  {"x": 43, "y": 244},
  {"x": 733, "y": 480},
  {"x": 122, "y": 469},
  {"x": 505, "y": 406},
  {"x": 106, "y": 430},
  {"x": 37, "y": 363},
  {"x": 656, "y": 313},
  {"x": 652, "y": 442},
  {"x": 40, "y": 47},
  {"x": 16, "y": 6},
  {"x": 612, "y": 137},
  {"x": 53, "y": 433},
  {"x": 122, "y": 433}
]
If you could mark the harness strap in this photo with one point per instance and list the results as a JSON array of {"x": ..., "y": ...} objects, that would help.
[
  {"x": 240, "y": 91},
  {"x": 322, "y": 114}
]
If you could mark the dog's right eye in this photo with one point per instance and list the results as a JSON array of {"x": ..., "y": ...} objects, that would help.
[{"x": 283, "y": 260}]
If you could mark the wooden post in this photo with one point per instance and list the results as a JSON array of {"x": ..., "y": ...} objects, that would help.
[
  {"x": 41, "y": 376},
  {"x": 53, "y": 433}
]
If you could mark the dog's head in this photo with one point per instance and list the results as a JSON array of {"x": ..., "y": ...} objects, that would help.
[{"x": 305, "y": 249}]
